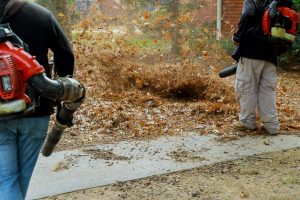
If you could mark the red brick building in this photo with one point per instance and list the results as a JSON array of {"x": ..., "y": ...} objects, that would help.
[
  {"x": 231, "y": 11},
  {"x": 225, "y": 12}
]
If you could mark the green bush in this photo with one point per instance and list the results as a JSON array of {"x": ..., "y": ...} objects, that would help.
[{"x": 291, "y": 56}]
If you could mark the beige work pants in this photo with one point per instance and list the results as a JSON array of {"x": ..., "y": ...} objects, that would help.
[{"x": 255, "y": 86}]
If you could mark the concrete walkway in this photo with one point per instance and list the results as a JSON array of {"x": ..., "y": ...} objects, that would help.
[{"x": 106, "y": 164}]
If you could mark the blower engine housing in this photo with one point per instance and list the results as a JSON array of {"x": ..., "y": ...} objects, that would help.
[
  {"x": 12, "y": 87},
  {"x": 16, "y": 67},
  {"x": 280, "y": 22}
]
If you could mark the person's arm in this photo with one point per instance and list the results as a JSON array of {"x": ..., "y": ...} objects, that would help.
[
  {"x": 61, "y": 48},
  {"x": 247, "y": 15}
]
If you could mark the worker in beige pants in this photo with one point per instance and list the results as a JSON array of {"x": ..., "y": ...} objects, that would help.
[{"x": 255, "y": 86}]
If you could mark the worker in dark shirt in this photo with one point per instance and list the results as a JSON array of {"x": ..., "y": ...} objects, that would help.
[
  {"x": 21, "y": 138},
  {"x": 256, "y": 72}
]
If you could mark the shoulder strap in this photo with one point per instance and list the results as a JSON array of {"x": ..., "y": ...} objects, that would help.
[
  {"x": 262, "y": 5},
  {"x": 12, "y": 7}
]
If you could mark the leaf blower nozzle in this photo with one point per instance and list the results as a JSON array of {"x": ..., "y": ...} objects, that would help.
[
  {"x": 64, "y": 116},
  {"x": 53, "y": 138},
  {"x": 228, "y": 71}
]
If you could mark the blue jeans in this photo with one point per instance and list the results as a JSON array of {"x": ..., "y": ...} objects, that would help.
[{"x": 20, "y": 143}]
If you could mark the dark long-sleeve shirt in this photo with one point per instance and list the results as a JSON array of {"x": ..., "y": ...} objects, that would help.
[
  {"x": 37, "y": 27},
  {"x": 253, "y": 43}
]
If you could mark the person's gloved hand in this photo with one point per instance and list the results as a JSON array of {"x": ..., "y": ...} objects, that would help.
[
  {"x": 234, "y": 42},
  {"x": 73, "y": 90}
]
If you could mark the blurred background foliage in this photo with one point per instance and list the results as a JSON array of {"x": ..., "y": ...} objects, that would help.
[
  {"x": 166, "y": 21},
  {"x": 169, "y": 23}
]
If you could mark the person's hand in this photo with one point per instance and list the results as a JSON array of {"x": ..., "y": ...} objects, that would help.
[
  {"x": 234, "y": 42},
  {"x": 73, "y": 90}
]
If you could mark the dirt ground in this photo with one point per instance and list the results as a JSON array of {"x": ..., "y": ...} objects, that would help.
[{"x": 272, "y": 176}]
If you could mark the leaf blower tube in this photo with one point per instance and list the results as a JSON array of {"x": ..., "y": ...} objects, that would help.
[
  {"x": 70, "y": 94},
  {"x": 231, "y": 69},
  {"x": 228, "y": 71}
]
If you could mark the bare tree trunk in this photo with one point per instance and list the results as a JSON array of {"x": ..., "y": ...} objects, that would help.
[
  {"x": 60, "y": 9},
  {"x": 61, "y": 12},
  {"x": 175, "y": 30}
]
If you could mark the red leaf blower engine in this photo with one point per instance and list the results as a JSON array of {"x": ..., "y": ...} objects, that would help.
[
  {"x": 16, "y": 67},
  {"x": 21, "y": 75},
  {"x": 279, "y": 24}
]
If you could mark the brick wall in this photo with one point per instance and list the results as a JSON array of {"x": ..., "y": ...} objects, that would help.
[
  {"x": 231, "y": 12},
  {"x": 207, "y": 11}
]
